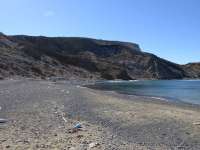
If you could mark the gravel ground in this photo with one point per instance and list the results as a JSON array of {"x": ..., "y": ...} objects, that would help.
[{"x": 42, "y": 114}]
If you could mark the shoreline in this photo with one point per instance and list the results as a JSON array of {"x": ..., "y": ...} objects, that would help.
[
  {"x": 147, "y": 99},
  {"x": 95, "y": 86},
  {"x": 109, "y": 120},
  {"x": 165, "y": 105}
]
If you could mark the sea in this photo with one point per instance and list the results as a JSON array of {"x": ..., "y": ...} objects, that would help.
[{"x": 171, "y": 90}]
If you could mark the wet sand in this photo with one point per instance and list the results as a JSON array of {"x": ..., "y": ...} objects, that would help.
[{"x": 42, "y": 114}]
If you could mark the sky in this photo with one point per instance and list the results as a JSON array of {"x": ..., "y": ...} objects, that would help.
[{"x": 167, "y": 28}]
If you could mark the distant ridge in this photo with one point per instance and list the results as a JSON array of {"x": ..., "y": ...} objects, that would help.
[{"x": 86, "y": 58}]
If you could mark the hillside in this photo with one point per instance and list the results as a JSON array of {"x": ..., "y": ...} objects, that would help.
[
  {"x": 193, "y": 69},
  {"x": 85, "y": 58}
]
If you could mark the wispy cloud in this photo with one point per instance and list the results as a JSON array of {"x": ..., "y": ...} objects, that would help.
[{"x": 49, "y": 13}]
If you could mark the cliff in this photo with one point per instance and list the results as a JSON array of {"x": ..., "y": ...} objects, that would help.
[
  {"x": 192, "y": 69},
  {"x": 86, "y": 58}
]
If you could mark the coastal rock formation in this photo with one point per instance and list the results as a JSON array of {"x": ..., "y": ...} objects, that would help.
[
  {"x": 192, "y": 69},
  {"x": 86, "y": 58}
]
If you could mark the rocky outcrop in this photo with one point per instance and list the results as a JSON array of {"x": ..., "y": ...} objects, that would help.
[
  {"x": 192, "y": 70},
  {"x": 45, "y": 57}
]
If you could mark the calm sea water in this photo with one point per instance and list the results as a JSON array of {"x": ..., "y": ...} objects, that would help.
[{"x": 175, "y": 90}]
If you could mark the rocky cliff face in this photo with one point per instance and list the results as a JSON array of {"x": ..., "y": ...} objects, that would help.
[
  {"x": 192, "y": 70},
  {"x": 82, "y": 58}
]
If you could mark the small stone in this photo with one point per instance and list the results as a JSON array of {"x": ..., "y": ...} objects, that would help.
[
  {"x": 196, "y": 123},
  {"x": 3, "y": 140},
  {"x": 2, "y": 120},
  {"x": 188, "y": 133},
  {"x": 37, "y": 146},
  {"x": 84, "y": 142},
  {"x": 26, "y": 142},
  {"x": 92, "y": 145},
  {"x": 74, "y": 130},
  {"x": 67, "y": 92},
  {"x": 42, "y": 146},
  {"x": 79, "y": 136},
  {"x": 7, "y": 146},
  {"x": 72, "y": 148}
]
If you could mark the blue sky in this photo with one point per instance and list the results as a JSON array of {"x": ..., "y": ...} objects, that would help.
[{"x": 167, "y": 28}]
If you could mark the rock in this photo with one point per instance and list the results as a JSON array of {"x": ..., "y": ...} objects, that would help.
[
  {"x": 55, "y": 134},
  {"x": 26, "y": 142},
  {"x": 7, "y": 146},
  {"x": 92, "y": 145},
  {"x": 43, "y": 146},
  {"x": 63, "y": 117},
  {"x": 60, "y": 58},
  {"x": 72, "y": 148},
  {"x": 2, "y": 120},
  {"x": 192, "y": 69},
  {"x": 196, "y": 123},
  {"x": 67, "y": 92},
  {"x": 79, "y": 136},
  {"x": 74, "y": 130}
]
